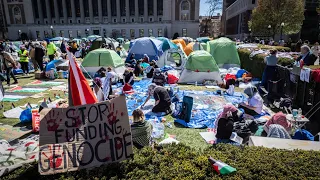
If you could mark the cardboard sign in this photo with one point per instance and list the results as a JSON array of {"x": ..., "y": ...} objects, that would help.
[{"x": 84, "y": 136}]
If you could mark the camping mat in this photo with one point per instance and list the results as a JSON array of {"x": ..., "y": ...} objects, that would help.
[
  {"x": 26, "y": 89},
  {"x": 13, "y": 98},
  {"x": 10, "y": 133},
  {"x": 12, "y": 157},
  {"x": 39, "y": 83}
]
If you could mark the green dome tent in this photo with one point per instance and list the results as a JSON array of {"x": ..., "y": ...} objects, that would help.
[
  {"x": 200, "y": 66},
  {"x": 224, "y": 52},
  {"x": 126, "y": 45},
  {"x": 103, "y": 58}
]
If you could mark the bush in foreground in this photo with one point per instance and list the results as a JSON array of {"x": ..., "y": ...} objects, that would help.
[{"x": 183, "y": 162}]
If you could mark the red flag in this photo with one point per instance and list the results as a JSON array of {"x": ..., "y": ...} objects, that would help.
[{"x": 79, "y": 89}]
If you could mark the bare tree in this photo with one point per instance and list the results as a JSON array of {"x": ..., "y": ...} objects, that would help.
[{"x": 214, "y": 5}]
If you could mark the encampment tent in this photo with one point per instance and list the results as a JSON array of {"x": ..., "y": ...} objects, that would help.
[
  {"x": 224, "y": 52},
  {"x": 187, "y": 40},
  {"x": 96, "y": 44},
  {"x": 146, "y": 45},
  {"x": 180, "y": 41},
  {"x": 126, "y": 45},
  {"x": 192, "y": 47},
  {"x": 103, "y": 58},
  {"x": 167, "y": 44},
  {"x": 203, "y": 39},
  {"x": 200, "y": 66},
  {"x": 172, "y": 57}
]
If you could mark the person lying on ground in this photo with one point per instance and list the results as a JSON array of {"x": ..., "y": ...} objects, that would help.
[
  {"x": 159, "y": 78},
  {"x": 141, "y": 130},
  {"x": 255, "y": 102},
  {"x": 162, "y": 99}
]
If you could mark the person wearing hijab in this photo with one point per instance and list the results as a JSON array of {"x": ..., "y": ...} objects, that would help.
[
  {"x": 255, "y": 102},
  {"x": 280, "y": 119},
  {"x": 159, "y": 78},
  {"x": 107, "y": 84},
  {"x": 162, "y": 99},
  {"x": 97, "y": 89}
]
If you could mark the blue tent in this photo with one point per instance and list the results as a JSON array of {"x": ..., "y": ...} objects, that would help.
[
  {"x": 145, "y": 45},
  {"x": 167, "y": 44}
]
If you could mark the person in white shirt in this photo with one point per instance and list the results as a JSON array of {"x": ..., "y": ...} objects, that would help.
[
  {"x": 255, "y": 102},
  {"x": 316, "y": 49}
]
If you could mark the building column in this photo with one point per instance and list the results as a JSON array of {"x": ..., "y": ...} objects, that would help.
[
  {"x": 109, "y": 10},
  {"x": 136, "y": 10},
  {"x": 73, "y": 8},
  {"x": 81, "y": 11},
  {"x": 145, "y": 11},
  {"x": 40, "y": 12},
  {"x": 91, "y": 11},
  {"x": 65, "y": 14},
  {"x": 196, "y": 16},
  {"x": 56, "y": 11},
  {"x": 155, "y": 10},
  {"x": 100, "y": 11},
  {"x": 118, "y": 11},
  {"x": 173, "y": 15},
  {"x": 48, "y": 11},
  {"x": 127, "y": 11}
]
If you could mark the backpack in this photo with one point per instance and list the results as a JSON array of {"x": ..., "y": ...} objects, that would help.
[{"x": 186, "y": 108}]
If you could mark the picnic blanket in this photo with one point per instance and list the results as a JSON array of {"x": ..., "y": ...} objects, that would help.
[
  {"x": 12, "y": 157},
  {"x": 20, "y": 89},
  {"x": 13, "y": 98},
  {"x": 45, "y": 83}
]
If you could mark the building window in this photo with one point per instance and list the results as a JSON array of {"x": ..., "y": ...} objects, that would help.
[
  {"x": 160, "y": 33},
  {"x": 46, "y": 22},
  {"x": 150, "y": 8},
  {"x": 160, "y": 7},
  {"x": 79, "y": 21},
  {"x": 70, "y": 21},
  {"x": 253, "y": 1},
  {"x": 123, "y": 9},
  {"x": 54, "y": 22},
  {"x": 141, "y": 19},
  {"x": 104, "y": 8},
  {"x": 69, "y": 9},
  {"x": 62, "y": 33},
  {"x": 35, "y": 8},
  {"x": 150, "y": 19},
  {"x": 43, "y": 9},
  {"x": 17, "y": 15},
  {"x": 70, "y": 34},
  {"x": 141, "y": 32},
  {"x": 113, "y": 8},
  {"x": 38, "y": 34},
  {"x": 141, "y": 7},
  {"x": 38, "y": 22},
  {"x": 132, "y": 20},
  {"x": 95, "y": 7},
  {"x": 46, "y": 34},
  {"x": 132, "y": 33},
  {"x": 60, "y": 8},
  {"x": 79, "y": 34},
  {"x": 132, "y": 7},
  {"x": 51, "y": 2},
  {"x": 150, "y": 31},
  {"x": 160, "y": 19},
  {"x": 184, "y": 32},
  {"x": 86, "y": 8},
  {"x": 77, "y": 5},
  {"x": 62, "y": 21},
  {"x": 123, "y": 33},
  {"x": 123, "y": 20},
  {"x": 114, "y": 20},
  {"x": 185, "y": 10}
]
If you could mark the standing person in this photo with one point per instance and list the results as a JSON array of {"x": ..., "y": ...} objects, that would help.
[
  {"x": 9, "y": 64},
  {"x": 306, "y": 56},
  {"x": 74, "y": 47},
  {"x": 51, "y": 49},
  {"x": 271, "y": 60},
  {"x": 24, "y": 61},
  {"x": 38, "y": 55},
  {"x": 97, "y": 89},
  {"x": 162, "y": 98},
  {"x": 63, "y": 46},
  {"x": 32, "y": 57},
  {"x": 107, "y": 84}
]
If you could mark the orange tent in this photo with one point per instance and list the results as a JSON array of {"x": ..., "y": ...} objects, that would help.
[
  {"x": 181, "y": 41},
  {"x": 192, "y": 47}
]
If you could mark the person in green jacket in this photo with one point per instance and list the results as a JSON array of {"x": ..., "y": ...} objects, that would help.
[
  {"x": 24, "y": 61},
  {"x": 51, "y": 49}
]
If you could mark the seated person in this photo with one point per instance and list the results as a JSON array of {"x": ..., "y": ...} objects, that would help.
[
  {"x": 278, "y": 131},
  {"x": 159, "y": 78},
  {"x": 141, "y": 130},
  {"x": 280, "y": 119},
  {"x": 306, "y": 56},
  {"x": 97, "y": 89},
  {"x": 128, "y": 77},
  {"x": 131, "y": 61},
  {"x": 98, "y": 73},
  {"x": 151, "y": 68},
  {"x": 138, "y": 70},
  {"x": 255, "y": 102},
  {"x": 162, "y": 98}
]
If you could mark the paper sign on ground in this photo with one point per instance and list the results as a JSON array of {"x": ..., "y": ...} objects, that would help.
[{"x": 84, "y": 136}]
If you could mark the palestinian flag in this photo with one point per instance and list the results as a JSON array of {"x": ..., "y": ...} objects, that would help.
[{"x": 220, "y": 167}]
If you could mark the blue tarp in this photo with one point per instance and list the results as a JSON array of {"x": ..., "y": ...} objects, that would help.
[{"x": 145, "y": 45}]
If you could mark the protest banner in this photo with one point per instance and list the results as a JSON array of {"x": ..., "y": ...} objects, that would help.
[{"x": 84, "y": 136}]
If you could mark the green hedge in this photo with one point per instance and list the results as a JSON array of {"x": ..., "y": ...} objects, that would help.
[
  {"x": 278, "y": 48},
  {"x": 182, "y": 162},
  {"x": 256, "y": 64}
]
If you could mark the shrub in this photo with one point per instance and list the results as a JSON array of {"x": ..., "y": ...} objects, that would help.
[
  {"x": 278, "y": 48},
  {"x": 256, "y": 64},
  {"x": 183, "y": 162}
]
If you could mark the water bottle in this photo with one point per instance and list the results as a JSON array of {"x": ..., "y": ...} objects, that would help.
[
  {"x": 196, "y": 84},
  {"x": 299, "y": 114}
]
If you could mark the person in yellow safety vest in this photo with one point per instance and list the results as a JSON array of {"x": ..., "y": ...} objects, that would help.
[
  {"x": 24, "y": 61},
  {"x": 51, "y": 49}
]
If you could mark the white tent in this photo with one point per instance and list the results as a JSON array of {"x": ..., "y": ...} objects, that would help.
[{"x": 172, "y": 57}]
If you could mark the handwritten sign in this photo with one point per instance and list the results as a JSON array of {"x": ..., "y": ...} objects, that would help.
[{"x": 84, "y": 136}]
